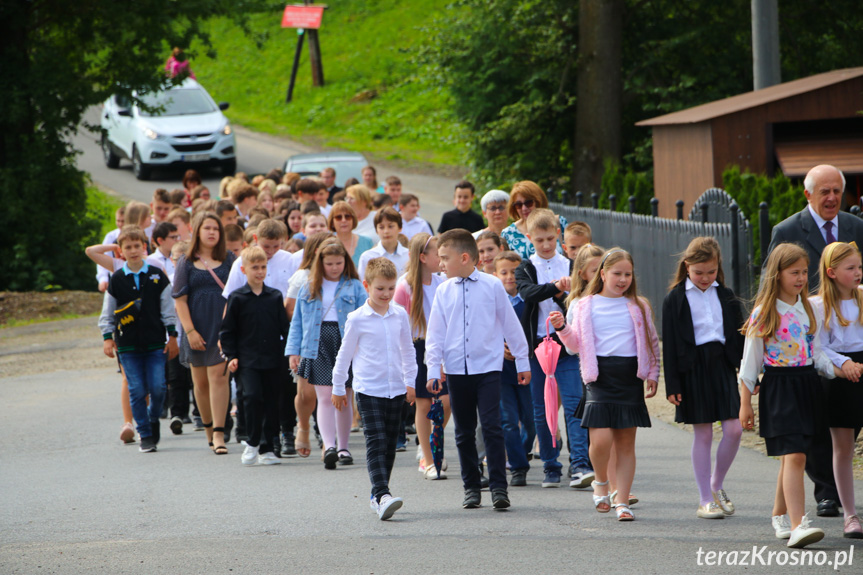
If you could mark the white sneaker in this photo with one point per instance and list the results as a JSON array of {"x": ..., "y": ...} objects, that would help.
[
  {"x": 388, "y": 505},
  {"x": 782, "y": 526},
  {"x": 249, "y": 456},
  {"x": 419, "y": 452},
  {"x": 268, "y": 458},
  {"x": 804, "y": 534},
  {"x": 431, "y": 473},
  {"x": 373, "y": 503}
]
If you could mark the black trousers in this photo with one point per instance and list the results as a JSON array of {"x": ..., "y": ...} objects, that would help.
[
  {"x": 472, "y": 395},
  {"x": 381, "y": 419},
  {"x": 179, "y": 380},
  {"x": 260, "y": 399},
  {"x": 287, "y": 393}
]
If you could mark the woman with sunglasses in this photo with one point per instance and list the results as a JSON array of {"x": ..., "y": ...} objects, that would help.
[
  {"x": 493, "y": 205},
  {"x": 525, "y": 197},
  {"x": 343, "y": 221}
]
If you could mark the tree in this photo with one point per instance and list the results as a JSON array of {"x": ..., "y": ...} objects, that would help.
[{"x": 59, "y": 58}]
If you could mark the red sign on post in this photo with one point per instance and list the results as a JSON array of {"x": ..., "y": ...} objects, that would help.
[{"x": 300, "y": 16}]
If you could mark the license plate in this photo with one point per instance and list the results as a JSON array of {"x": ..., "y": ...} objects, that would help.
[{"x": 196, "y": 157}]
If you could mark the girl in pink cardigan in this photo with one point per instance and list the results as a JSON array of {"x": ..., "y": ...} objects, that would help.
[{"x": 614, "y": 334}]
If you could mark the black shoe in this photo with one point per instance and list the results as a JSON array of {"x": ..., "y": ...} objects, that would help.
[
  {"x": 147, "y": 445},
  {"x": 164, "y": 414},
  {"x": 519, "y": 478},
  {"x": 472, "y": 499},
  {"x": 828, "y": 508},
  {"x": 288, "y": 449},
  {"x": 499, "y": 499},
  {"x": 345, "y": 457},
  {"x": 157, "y": 433},
  {"x": 277, "y": 446},
  {"x": 186, "y": 420},
  {"x": 176, "y": 426},
  {"x": 241, "y": 437},
  {"x": 483, "y": 482},
  {"x": 331, "y": 456},
  {"x": 411, "y": 429}
]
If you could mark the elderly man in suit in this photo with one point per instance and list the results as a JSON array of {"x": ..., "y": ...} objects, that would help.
[{"x": 820, "y": 223}]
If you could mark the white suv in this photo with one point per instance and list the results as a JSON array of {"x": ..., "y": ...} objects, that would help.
[{"x": 189, "y": 129}]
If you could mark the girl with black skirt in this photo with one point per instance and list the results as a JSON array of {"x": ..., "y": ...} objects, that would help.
[
  {"x": 783, "y": 339},
  {"x": 701, "y": 348},
  {"x": 840, "y": 304},
  {"x": 614, "y": 335}
]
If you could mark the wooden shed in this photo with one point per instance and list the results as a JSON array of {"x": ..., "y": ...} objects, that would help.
[{"x": 789, "y": 127}]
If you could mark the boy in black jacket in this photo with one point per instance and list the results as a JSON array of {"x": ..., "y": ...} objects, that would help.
[
  {"x": 543, "y": 281},
  {"x": 253, "y": 336},
  {"x": 136, "y": 313}
]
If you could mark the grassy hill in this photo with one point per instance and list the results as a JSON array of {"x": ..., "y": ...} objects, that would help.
[{"x": 375, "y": 99}]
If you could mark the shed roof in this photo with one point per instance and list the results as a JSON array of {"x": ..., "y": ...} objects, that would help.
[{"x": 753, "y": 99}]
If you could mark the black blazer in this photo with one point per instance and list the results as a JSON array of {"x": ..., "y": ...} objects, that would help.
[
  {"x": 678, "y": 335},
  {"x": 802, "y": 229},
  {"x": 332, "y": 192},
  {"x": 533, "y": 293}
]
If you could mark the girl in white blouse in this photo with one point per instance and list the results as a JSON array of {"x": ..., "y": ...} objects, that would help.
[{"x": 840, "y": 304}]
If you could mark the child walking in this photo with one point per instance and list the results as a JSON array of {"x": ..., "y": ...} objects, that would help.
[
  {"x": 783, "y": 339},
  {"x": 840, "y": 304},
  {"x": 470, "y": 319},
  {"x": 613, "y": 333},
  {"x": 376, "y": 335},
  {"x": 415, "y": 292},
  {"x": 702, "y": 346},
  {"x": 317, "y": 328},
  {"x": 253, "y": 332}
]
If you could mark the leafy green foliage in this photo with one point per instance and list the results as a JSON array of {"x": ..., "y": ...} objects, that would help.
[{"x": 624, "y": 183}]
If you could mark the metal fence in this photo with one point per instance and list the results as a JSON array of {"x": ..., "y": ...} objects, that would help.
[{"x": 655, "y": 244}]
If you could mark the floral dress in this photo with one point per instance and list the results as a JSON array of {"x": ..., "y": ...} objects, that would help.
[{"x": 519, "y": 243}]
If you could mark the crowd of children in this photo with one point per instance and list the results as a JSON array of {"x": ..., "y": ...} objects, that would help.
[{"x": 306, "y": 302}]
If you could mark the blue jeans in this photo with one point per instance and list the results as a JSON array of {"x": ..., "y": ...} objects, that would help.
[
  {"x": 516, "y": 406},
  {"x": 145, "y": 372},
  {"x": 569, "y": 385}
]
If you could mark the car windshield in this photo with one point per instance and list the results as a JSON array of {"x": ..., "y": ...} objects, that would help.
[
  {"x": 344, "y": 168},
  {"x": 178, "y": 103}
]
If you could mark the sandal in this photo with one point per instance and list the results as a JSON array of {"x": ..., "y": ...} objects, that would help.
[
  {"x": 207, "y": 426},
  {"x": 632, "y": 498},
  {"x": 220, "y": 449},
  {"x": 602, "y": 503},
  {"x": 624, "y": 513},
  {"x": 301, "y": 443}
]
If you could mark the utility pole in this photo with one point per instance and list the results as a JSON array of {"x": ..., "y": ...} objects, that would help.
[{"x": 765, "y": 44}]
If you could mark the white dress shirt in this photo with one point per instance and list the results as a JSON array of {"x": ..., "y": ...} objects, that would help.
[
  {"x": 295, "y": 261},
  {"x": 381, "y": 350},
  {"x": 548, "y": 271},
  {"x": 470, "y": 319},
  {"x": 410, "y": 228},
  {"x": 706, "y": 313},
  {"x": 163, "y": 262},
  {"x": 613, "y": 331},
  {"x": 400, "y": 258},
  {"x": 836, "y": 339},
  {"x": 753, "y": 349},
  {"x": 278, "y": 274},
  {"x": 819, "y": 221}
]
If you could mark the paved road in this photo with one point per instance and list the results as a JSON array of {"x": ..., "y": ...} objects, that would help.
[
  {"x": 74, "y": 500},
  {"x": 257, "y": 153}
]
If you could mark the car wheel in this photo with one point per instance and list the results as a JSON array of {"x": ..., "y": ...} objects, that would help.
[
  {"x": 229, "y": 167},
  {"x": 112, "y": 160},
  {"x": 139, "y": 168}
]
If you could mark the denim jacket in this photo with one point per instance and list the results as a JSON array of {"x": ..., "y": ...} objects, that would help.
[{"x": 305, "y": 334}]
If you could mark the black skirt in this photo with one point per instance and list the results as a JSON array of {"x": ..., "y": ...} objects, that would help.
[
  {"x": 319, "y": 371},
  {"x": 616, "y": 398},
  {"x": 422, "y": 372},
  {"x": 709, "y": 390},
  {"x": 790, "y": 403},
  {"x": 843, "y": 406}
]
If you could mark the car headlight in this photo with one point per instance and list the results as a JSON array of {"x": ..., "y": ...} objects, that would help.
[
  {"x": 150, "y": 134},
  {"x": 227, "y": 130}
]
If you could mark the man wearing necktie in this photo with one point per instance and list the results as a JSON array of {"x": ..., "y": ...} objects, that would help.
[{"x": 820, "y": 223}]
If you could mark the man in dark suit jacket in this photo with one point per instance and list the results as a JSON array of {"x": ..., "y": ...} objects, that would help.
[
  {"x": 821, "y": 222},
  {"x": 328, "y": 176}
]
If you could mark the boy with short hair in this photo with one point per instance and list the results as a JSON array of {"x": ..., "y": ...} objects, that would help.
[
  {"x": 470, "y": 320},
  {"x": 393, "y": 188},
  {"x": 137, "y": 311},
  {"x": 382, "y": 201},
  {"x": 307, "y": 188},
  {"x": 161, "y": 205},
  {"x": 183, "y": 221},
  {"x": 245, "y": 198},
  {"x": 516, "y": 405},
  {"x": 388, "y": 225},
  {"x": 412, "y": 223},
  {"x": 234, "y": 239},
  {"x": 543, "y": 282},
  {"x": 164, "y": 237},
  {"x": 462, "y": 216},
  {"x": 253, "y": 335},
  {"x": 378, "y": 334},
  {"x": 321, "y": 197},
  {"x": 576, "y": 235},
  {"x": 227, "y": 213}
]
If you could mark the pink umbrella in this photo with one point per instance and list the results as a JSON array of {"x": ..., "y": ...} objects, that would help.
[{"x": 547, "y": 352}]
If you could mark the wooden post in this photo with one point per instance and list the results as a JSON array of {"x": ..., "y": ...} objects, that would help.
[{"x": 315, "y": 55}]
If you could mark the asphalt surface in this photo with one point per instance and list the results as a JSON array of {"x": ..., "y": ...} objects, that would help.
[
  {"x": 256, "y": 154},
  {"x": 75, "y": 500}
]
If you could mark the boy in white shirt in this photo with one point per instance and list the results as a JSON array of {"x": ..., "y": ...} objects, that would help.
[
  {"x": 165, "y": 235},
  {"x": 470, "y": 318},
  {"x": 378, "y": 334},
  {"x": 412, "y": 224},
  {"x": 388, "y": 225}
]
